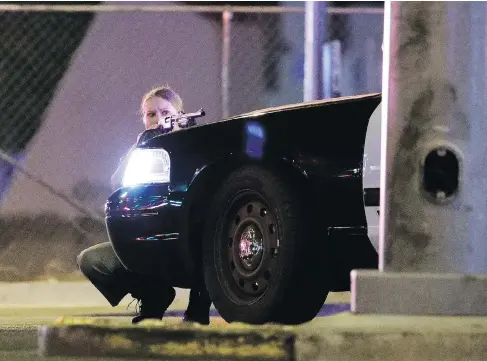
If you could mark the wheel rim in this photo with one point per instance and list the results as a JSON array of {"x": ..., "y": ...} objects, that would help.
[
  {"x": 250, "y": 246},
  {"x": 251, "y": 250}
]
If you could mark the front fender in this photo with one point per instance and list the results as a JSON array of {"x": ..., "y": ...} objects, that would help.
[{"x": 144, "y": 225}]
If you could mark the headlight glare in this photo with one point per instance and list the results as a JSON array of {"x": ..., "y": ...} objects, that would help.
[{"x": 147, "y": 166}]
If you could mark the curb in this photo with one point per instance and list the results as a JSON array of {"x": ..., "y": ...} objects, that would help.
[
  {"x": 83, "y": 337},
  {"x": 19, "y": 338},
  {"x": 396, "y": 346}
]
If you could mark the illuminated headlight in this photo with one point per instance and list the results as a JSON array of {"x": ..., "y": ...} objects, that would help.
[{"x": 147, "y": 166}]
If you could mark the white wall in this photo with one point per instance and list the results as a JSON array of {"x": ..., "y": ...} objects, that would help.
[
  {"x": 246, "y": 68},
  {"x": 291, "y": 76},
  {"x": 362, "y": 59}
]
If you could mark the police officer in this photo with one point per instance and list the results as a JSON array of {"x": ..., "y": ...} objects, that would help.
[{"x": 104, "y": 270}]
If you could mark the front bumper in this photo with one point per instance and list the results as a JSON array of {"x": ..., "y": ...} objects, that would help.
[{"x": 146, "y": 225}]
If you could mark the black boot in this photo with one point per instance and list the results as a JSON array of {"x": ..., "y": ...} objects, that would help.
[
  {"x": 154, "y": 305},
  {"x": 198, "y": 308}
]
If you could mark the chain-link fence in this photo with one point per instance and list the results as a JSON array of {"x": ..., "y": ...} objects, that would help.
[{"x": 71, "y": 79}]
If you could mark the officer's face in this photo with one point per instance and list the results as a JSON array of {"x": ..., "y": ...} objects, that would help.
[{"x": 156, "y": 109}]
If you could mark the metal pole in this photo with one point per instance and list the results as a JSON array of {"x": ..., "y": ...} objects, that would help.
[
  {"x": 314, "y": 37},
  {"x": 76, "y": 8},
  {"x": 434, "y": 185},
  {"x": 226, "y": 27}
]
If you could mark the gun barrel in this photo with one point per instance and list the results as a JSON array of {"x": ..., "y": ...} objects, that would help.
[
  {"x": 199, "y": 113},
  {"x": 167, "y": 122}
]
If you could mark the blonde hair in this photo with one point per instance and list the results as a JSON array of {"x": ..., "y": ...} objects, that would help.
[{"x": 164, "y": 92}]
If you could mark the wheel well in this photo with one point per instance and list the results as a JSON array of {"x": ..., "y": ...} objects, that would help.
[{"x": 211, "y": 179}]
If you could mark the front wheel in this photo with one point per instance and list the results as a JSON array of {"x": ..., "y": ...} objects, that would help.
[{"x": 260, "y": 264}]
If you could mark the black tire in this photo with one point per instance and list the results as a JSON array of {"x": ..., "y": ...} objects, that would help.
[{"x": 259, "y": 262}]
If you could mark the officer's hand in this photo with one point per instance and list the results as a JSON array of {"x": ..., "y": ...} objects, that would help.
[{"x": 182, "y": 122}]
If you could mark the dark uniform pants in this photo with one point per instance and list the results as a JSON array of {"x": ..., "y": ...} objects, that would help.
[{"x": 104, "y": 270}]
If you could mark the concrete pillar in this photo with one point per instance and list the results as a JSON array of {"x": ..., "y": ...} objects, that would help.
[{"x": 433, "y": 224}]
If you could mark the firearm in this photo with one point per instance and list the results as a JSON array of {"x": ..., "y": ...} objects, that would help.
[{"x": 184, "y": 120}]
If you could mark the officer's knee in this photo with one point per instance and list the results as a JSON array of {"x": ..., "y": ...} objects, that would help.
[{"x": 86, "y": 260}]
